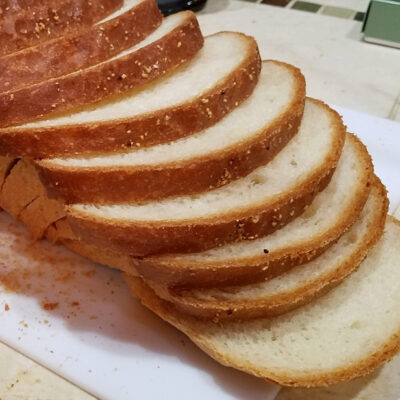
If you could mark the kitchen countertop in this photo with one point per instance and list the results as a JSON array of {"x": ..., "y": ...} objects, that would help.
[{"x": 339, "y": 67}]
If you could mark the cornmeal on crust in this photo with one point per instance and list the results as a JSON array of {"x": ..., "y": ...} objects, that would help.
[
  {"x": 47, "y": 19},
  {"x": 152, "y": 58},
  {"x": 127, "y": 26}
]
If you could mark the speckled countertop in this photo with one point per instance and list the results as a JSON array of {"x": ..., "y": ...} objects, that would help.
[{"x": 340, "y": 68}]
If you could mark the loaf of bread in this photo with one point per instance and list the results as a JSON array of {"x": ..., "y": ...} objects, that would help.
[{"x": 239, "y": 210}]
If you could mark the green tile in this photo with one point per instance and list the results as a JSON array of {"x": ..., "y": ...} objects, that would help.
[
  {"x": 306, "y": 6},
  {"x": 251, "y": 1},
  {"x": 339, "y": 12}
]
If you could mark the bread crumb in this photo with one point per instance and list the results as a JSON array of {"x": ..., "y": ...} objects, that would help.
[
  {"x": 50, "y": 306},
  {"x": 6, "y": 307}
]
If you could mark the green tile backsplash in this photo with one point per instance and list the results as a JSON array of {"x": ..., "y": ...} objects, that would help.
[{"x": 313, "y": 7}]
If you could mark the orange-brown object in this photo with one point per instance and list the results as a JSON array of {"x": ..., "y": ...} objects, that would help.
[
  {"x": 87, "y": 47},
  {"x": 27, "y": 23},
  {"x": 111, "y": 78}
]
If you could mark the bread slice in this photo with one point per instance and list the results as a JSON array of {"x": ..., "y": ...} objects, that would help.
[
  {"x": 176, "y": 41},
  {"x": 332, "y": 212},
  {"x": 26, "y": 23},
  {"x": 172, "y": 107},
  {"x": 345, "y": 334},
  {"x": 383, "y": 383},
  {"x": 248, "y": 137},
  {"x": 253, "y": 206},
  {"x": 124, "y": 28},
  {"x": 296, "y": 287}
]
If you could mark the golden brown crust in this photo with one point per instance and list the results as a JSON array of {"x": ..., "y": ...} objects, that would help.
[
  {"x": 77, "y": 51},
  {"x": 169, "y": 269},
  {"x": 110, "y": 259},
  {"x": 39, "y": 214},
  {"x": 273, "y": 305},
  {"x": 144, "y": 183},
  {"x": 111, "y": 78},
  {"x": 20, "y": 187},
  {"x": 144, "y": 238},
  {"x": 6, "y": 165},
  {"x": 26, "y": 200},
  {"x": 34, "y": 23},
  {"x": 60, "y": 231},
  {"x": 143, "y": 130},
  {"x": 23, "y": 196},
  {"x": 188, "y": 325}
]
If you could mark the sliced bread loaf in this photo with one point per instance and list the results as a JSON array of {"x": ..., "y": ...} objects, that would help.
[
  {"x": 345, "y": 334},
  {"x": 174, "y": 106},
  {"x": 176, "y": 41},
  {"x": 119, "y": 31},
  {"x": 247, "y": 208},
  {"x": 332, "y": 212},
  {"x": 26, "y": 23},
  {"x": 298, "y": 286},
  {"x": 248, "y": 137}
]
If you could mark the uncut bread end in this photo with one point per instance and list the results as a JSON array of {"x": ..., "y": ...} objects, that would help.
[
  {"x": 345, "y": 334},
  {"x": 80, "y": 132},
  {"x": 242, "y": 210},
  {"x": 23, "y": 196}
]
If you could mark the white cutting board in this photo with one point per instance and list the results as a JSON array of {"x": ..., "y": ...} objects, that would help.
[{"x": 101, "y": 339}]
